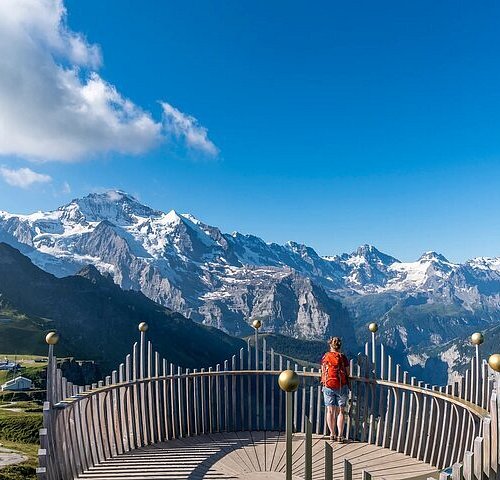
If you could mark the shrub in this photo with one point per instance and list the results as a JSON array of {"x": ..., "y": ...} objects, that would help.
[
  {"x": 18, "y": 472},
  {"x": 21, "y": 428}
]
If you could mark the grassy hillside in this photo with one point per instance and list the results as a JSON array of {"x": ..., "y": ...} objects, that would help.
[
  {"x": 19, "y": 432},
  {"x": 22, "y": 334}
]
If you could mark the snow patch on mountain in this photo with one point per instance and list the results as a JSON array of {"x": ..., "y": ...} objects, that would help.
[{"x": 417, "y": 359}]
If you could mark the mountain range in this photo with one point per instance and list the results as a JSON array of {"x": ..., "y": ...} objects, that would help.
[
  {"x": 96, "y": 319},
  {"x": 225, "y": 279}
]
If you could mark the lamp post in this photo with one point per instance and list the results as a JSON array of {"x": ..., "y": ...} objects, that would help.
[
  {"x": 373, "y": 327},
  {"x": 494, "y": 363},
  {"x": 256, "y": 324},
  {"x": 51, "y": 339},
  {"x": 477, "y": 339},
  {"x": 143, "y": 328},
  {"x": 288, "y": 381}
]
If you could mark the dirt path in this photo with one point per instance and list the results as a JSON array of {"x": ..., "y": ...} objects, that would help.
[
  {"x": 10, "y": 457},
  {"x": 6, "y": 406}
]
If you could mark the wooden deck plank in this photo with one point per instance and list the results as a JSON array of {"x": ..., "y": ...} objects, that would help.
[
  {"x": 259, "y": 446},
  {"x": 235, "y": 457},
  {"x": 248, "y": 456},
  {"x": 278, "y": 449},
  {"x": 246, "y": 445}
]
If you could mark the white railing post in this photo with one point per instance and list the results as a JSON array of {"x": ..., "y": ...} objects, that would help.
[
  {"x": 478, "y": 458},
  {"x": 457, "y": 472},
  {"x": 469, "y": 466}
]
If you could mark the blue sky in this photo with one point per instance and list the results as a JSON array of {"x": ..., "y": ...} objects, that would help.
[{"x": 332, "y": 124}]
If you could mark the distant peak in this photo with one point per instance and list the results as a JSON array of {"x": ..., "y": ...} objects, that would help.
[
  {"x": 115, "y": 206},
  {"x": 171, "y": 217},
  {"x": 295, "y": 246},
  {"x": 371, "y": 254},
  {"x": 192, "y": 218},
  {"x": 111, "y": 196},
  {"x": 432, "y": 256},
  {"x": 91, "y": 273},
  {"x": 116, "y": 195},
  {"x": 367, "y": 249}
]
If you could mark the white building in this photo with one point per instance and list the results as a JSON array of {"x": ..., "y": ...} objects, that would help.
[
  {"x": 16, "y": 384},
  {"x": 6, "y": 365}
]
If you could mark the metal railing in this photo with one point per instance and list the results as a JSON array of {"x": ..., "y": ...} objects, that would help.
[{"x": 148, "y": 400}]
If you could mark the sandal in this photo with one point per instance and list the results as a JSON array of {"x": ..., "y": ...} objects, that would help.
[{"x": 340, "y": 439}]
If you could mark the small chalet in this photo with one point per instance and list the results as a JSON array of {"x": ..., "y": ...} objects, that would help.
[{"x": 17, "y": 384}]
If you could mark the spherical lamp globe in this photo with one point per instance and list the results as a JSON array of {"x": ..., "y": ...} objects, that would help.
[
  {"x": 494, "y": 362},
  {"x": 256, "y": 324},
  {"x": 477, "y": 338},
  {"x": 288, "y": 381},
  {"x": 373, "y": 327},
  {"x": 52, "y": 338}
]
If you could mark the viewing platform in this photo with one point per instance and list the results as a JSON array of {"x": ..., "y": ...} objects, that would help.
[{"x": 152, "y": 420}]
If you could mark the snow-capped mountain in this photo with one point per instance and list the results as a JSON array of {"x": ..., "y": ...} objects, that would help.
[
  {"x": 225, "y": 279},
  {"x": 218, "y": 279}
]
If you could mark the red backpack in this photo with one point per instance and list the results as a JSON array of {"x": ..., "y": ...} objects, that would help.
[{"x": 334, "y": 370}]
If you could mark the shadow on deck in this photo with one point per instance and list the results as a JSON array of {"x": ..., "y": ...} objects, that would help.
[{"x": 252, "y": 456}]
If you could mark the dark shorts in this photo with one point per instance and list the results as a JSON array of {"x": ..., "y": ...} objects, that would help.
[{"x": 335, "y": 397}]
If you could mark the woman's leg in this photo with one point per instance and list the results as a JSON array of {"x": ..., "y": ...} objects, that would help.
[
  {"x": 340, "y": 421},
  {"x": 330, "y": 419}
]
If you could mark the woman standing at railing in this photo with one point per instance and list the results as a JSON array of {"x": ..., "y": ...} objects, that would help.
[{"x": 335, "y": 381}]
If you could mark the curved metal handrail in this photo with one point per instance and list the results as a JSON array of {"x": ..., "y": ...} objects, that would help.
[{"x": 480, "y": 412}]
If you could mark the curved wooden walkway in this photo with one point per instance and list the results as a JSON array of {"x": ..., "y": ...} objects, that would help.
[{"x": 252, "y": 456}]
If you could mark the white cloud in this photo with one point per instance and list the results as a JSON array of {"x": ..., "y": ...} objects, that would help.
[
  {"x": 187, "y": 127},
  {"x": 53, "y": 103},
  {"x": 66, "y": 188},
  {"x": 23, "y": 177}
]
